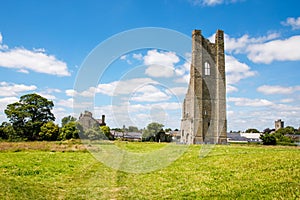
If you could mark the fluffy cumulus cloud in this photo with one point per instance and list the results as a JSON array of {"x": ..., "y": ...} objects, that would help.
[
  {"x": 276, "y": 89},
  {"x": 293, "y": 22},
  {"x": 7, "y": 100},
  {"x": 160, "y": 64},
  {"x": 276, "y": 50},
  {"x": 13, "y": 89},
  {"x": 236, "y": 71},
  {"x": 149, "y": 93},
  {"x": 264, "y": 49},
  {"x": 36, "y": 60},
  {"x": 239, "y": 45}
]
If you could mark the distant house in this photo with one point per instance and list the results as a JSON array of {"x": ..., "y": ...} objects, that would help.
[
  {"x": 175, "y": 135},
  {"x": 87, "y": 121},
  {"x": 128, "y": 136},
  {"x": 243, "y": 137}
]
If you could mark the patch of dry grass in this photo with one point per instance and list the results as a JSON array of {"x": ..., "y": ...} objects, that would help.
[{"x": 61, "y": 146}]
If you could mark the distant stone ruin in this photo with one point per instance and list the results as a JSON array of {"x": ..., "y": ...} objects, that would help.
[{"x": 279, "y": 124}]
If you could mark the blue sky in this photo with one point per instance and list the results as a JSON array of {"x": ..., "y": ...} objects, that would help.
[{"x": 43, "y": 45}]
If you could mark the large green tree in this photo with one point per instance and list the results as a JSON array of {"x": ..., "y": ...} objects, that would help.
[{"x": 28, "y": 115}]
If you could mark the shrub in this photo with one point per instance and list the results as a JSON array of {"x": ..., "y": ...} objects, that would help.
[
  {"x": 268, "y": 139},
  {"x": 49, "y": 131}
]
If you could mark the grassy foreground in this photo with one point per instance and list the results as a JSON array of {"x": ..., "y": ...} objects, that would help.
[{"x": 51, "y": 171}]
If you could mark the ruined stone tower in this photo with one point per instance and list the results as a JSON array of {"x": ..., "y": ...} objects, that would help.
[{"x": 204, "y": 107}]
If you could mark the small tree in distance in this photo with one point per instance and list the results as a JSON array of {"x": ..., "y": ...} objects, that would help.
[
  {"x": 69, "y": 131},
  {"x": 152, "y": 130},
  {"x": 252, "y": 130},
  {"x": 268, "y": 139},
  {"x": 67, "y": 119}
]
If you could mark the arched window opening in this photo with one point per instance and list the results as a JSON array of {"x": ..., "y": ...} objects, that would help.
[{"x": 206, "y": 68}]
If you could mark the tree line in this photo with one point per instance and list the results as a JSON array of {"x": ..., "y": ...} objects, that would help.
[{"x": 31, "y": 119}]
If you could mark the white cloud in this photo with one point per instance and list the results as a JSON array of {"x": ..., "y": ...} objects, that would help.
[
  {"x": 264, "y": 49},
  {"x": 230, "y": 89},
  {"x": 70, "y": 92},
  {"x": 13, "y": 89},
  {"x": 178, "y": 91},
  {"x": 114, "y": 88},
  {"x": 276, "y": 50},
  {"x": 160, "y": 64},
  {"x": 236, "y": 71},
  {"x": 46, "y": 95},
  {"x": 2, "y": 46},
  {"x": 262, "y": 117},
  {"x": 160, "y": 71},
  {"x": 149, "y": 93},
  {"x": 211, "y": 2},
  {"x": 138, "y": 56},
  {"x": 24, "y": 71},
  {"x": 276, "y": 89},
  {"x": 66, "y": 103},
  {"x": 24, "y": 60},
  {"x": 123, "y": 57},
  {"x": 52, "y": 90},
  {"x": 35, "y": 60},
  {"x": 239, "y": 45},
  {"x": 238, "y": 101},
  {"x": 293, "y": 22},
  {"x": 7, "y": 100},
  {"x": 287, "y": 100},
  {"x": 183, "y": 79}
]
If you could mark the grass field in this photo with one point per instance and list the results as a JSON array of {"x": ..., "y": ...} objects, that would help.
[{"x": 42, "y": 170}]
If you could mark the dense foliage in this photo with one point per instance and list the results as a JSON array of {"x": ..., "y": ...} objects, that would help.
[
  {"x": 152, "y": 130},
  {"x": 28, "y": 115},
  {"x": 282, "y": 136}
]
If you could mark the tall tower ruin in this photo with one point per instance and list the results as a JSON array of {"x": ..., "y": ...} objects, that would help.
[{"x": 204, "y": 107}]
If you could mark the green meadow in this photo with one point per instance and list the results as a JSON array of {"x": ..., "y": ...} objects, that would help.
[{"x": 52, "y": 170}]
